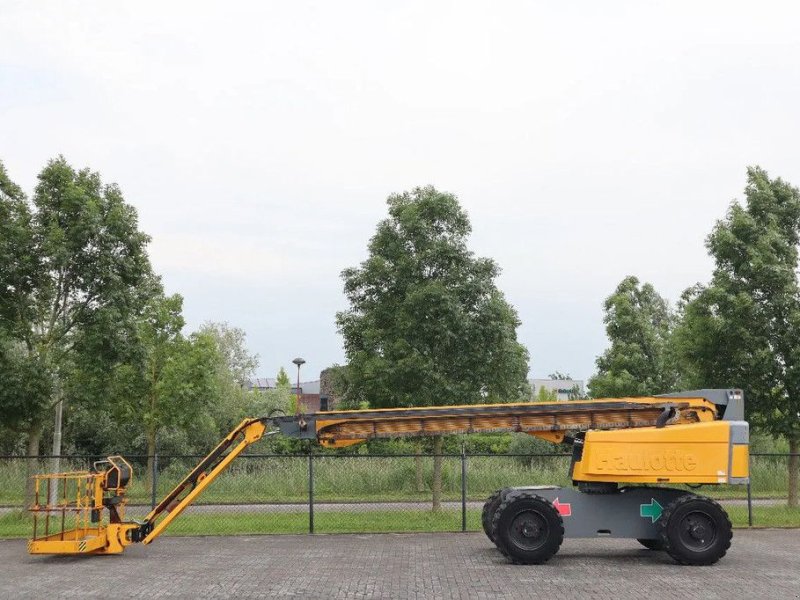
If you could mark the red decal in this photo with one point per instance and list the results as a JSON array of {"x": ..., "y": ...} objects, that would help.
[{"x": 565, "y": 510}]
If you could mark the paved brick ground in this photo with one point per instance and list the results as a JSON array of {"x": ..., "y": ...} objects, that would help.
[{"x": 761, "y": 564}]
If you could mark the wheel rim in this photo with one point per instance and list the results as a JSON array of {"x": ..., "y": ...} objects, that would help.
[
  {"x": 697, "y": 531},
  {"x": 529, "y": 530}
]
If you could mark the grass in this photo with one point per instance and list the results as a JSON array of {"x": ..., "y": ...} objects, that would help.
[
  {"x": 328, "y": 522},
  {"x": 19, "y": 524},
  {"x": 769, "y": 516},
  {"x": 15, "y": 525}
]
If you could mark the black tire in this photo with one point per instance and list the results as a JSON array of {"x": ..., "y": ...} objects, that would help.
[
  {"x": 489, "y": 507},
  {"x": 695, "y": 530},
  {"x": 651, "y": 544},
  {"x": 527, "y": 528}
]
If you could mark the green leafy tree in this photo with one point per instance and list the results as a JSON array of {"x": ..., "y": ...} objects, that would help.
[
  {"x": 545, "y": 395},
  {"x": 282, "y": 380},
  {"x": 233, "y": 369},
  {"x": 24, "y": 393},
  {"x": 639, "y": 361},
  {"x": 18, "y": 263},
  {"x": 73, "y": 264},
  {"x": 172, "y": 383},
  {"x": 427, "y": 324},
  {"x": 238, "y": 362},
  {"x": 743, "y": 328},
  {"x": 559, "y": 376}
]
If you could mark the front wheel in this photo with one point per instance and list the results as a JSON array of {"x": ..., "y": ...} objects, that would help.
[
  {"x": 527, "y": 528},
  {"x": 695, "y": 530}
]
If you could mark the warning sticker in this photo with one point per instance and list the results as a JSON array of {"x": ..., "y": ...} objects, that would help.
[
  {"x": 652, "y": 510},
  {"x": 563, "y": 508}
]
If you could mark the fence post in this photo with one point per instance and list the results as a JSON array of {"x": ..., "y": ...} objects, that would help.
[
  {"x": 749, "y": 505},
  {"x": 463, "y": 488},
  {"x": 310, "y": 492},
  {"x": 154, "y": 480}
]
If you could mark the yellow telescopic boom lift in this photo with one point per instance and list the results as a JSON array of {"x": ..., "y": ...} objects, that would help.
[{"x": 625, "y": 452}]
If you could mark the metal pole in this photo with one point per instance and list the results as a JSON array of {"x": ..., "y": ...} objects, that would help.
[
  {"x": 55, "y": 462},
  {"x": 298, "y": 361},
  {"x": 154, "y": 481},
  {"x": 310, "y": 492},
  {"x": 749, "y": 505},
  {"x": 463, "y": 489}
]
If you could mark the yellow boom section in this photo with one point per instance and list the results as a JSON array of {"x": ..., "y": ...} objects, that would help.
[
  {"x": 247, "y": 432},
  {"x": 551, "y": 421}
]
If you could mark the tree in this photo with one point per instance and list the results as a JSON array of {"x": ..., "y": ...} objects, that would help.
[
  {"x": 638, "y": 362},
  {"x": 234, "y": 367},
  {"x": 172, "y": 382},
  {"x": 73, "y": 267},
  {"x": 559, "y": 376},
  {"x": 238, "y": 362},
  {"x": 545, "y": 395},
  {"x": 282, "y": 380},
  {"x": 743, "y": 328},
  {"x": 427, "y": 324},
  {"x": 17, "y": 261},
  {"x": 24, "y": 393}
]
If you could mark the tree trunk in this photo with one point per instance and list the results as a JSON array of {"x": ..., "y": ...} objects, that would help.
[
  {"x": 32, "y": 464},
  {"x": 151, "y": 453},
  {"x": 418, "y": 468},
  {"x": 437, "y": 473},
  {"x": 794, "y": 470}
]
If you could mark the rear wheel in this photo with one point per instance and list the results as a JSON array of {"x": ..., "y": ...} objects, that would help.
[
  {"x": 651, "y": 544},
  {"x": 527, "y": 528},
  {"x": 695, "y": 530},
  {"x": 489, "y": 507}
]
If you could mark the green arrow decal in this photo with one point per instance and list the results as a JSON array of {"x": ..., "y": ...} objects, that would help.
[{"x": 652, "y": 510}]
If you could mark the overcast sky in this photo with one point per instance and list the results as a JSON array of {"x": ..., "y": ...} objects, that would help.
[{"x": 258, "y": 141}]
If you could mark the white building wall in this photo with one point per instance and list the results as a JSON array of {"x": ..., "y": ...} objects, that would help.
[{"x": 563, "y": 387}]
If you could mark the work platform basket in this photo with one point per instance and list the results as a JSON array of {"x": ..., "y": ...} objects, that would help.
[{"x": 67, "y": 510}]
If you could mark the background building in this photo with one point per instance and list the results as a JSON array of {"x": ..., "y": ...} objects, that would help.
[
  {"x": 566, "y": 389},
  {"x": 261, "y": 383},
  {"x": 309, "y": 391}
]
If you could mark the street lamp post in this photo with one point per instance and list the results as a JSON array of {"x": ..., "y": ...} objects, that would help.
[{"x": 298, "y": 361}]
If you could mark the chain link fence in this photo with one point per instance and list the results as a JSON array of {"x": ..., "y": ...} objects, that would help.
[{"x": 326, "y": 493}]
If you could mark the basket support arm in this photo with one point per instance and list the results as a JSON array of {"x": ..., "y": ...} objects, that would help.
[{"x": 206, "y": 471}]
